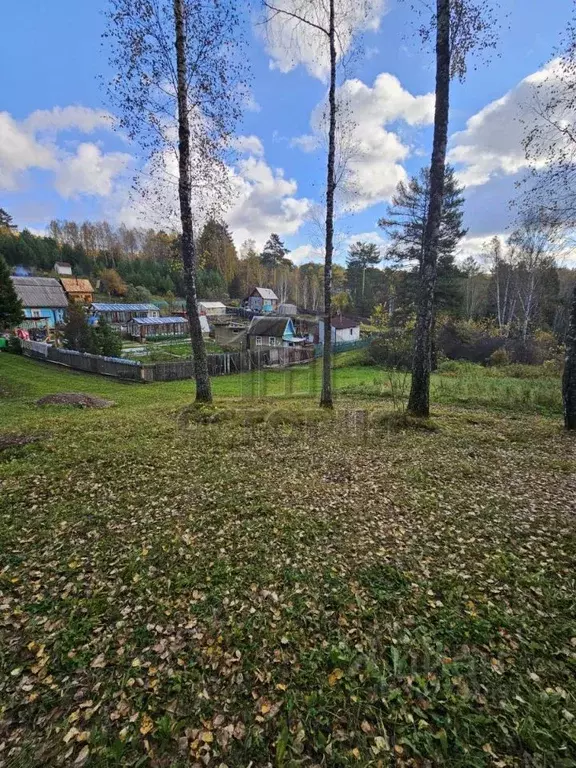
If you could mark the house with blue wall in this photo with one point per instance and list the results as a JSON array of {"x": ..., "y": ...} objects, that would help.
[
  {"x": 43, "y": 300},
  {"x": 262, "y": 300},
  {"x": 271, "y": 332}
]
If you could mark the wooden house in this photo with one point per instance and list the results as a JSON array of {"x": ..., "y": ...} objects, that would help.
[
  {"x": 262, "y": 300},
  {"x": 63, "y": 268},
  {"x": 211, "y": 308},
  {"x": 78, "y": 289},
  {"x": 269, "y": 332},
  {"x": 343, "y": 329},
  {"x": 231, "y": 335},
  {"x": 43, "y": 300}
]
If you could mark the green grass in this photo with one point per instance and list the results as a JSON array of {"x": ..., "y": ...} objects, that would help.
[
  {"x": 166, "y": 351},
  {"x": 339, "y": 591}
]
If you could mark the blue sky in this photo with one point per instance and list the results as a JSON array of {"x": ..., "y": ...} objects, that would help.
[{"x": 65, "y": 162}]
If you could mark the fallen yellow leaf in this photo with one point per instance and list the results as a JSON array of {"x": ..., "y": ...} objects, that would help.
[
  {"x": 146, "y": 724},
  {"x": 334, "y": 676}
]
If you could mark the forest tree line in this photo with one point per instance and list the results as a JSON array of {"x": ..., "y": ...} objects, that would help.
[{"x": 516, "y": 286}]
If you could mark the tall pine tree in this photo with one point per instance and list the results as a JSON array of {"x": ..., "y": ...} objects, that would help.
[
  {"x": 274, "y": 253},
  {"x": 405, "y": 224}
]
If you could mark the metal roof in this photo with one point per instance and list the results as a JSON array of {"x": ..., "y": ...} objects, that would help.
[
  {"x": 123, "y": 307},
  {"x": 212, "y": 304},
  {"x": 340, "y": 323},
  {"x": 157, "y": 320},
  {"x": 268, "y": 326},
  {"x": 265, "y": 293},
  {"x": 40, "y": 292}
]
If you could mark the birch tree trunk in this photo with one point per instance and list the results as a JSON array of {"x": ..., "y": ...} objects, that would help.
[
  {"x": 326, "y": 396},
  {"x": 569, "y": 380},
  {"x": 203, "y": 388},
  {"x": 419, "y": 400}
]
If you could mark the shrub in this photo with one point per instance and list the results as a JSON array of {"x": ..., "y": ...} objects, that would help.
[
  {"x": 468, "y": 341},
  {"x": 393, "y": 349},
  {"x": 499, "y": 357},
  {"x": 14, "y": 345}
]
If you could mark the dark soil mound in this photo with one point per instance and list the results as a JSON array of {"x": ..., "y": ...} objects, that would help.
[
  {"x": 75, "y": 398},
  {"x": 16, "y": 441}
]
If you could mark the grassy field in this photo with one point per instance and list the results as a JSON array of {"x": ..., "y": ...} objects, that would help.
[
  {"x": 302, "y": 592},
  {"x": 166, "y": 350}
]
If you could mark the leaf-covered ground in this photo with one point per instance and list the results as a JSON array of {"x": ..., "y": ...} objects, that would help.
[{"x": 175, "y": 593}]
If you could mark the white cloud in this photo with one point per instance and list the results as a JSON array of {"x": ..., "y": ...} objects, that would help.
[
  {"x": 83, "y": 119},
  {"x": 19, "y": 151},
  {"x": 303, "y": 254},
  {"x": 248, "y": 145},
  {"x": 307, "y": 143},
  {"x": 290, "y": 42},
  {"x": 476, "y": 246},
  {"x": 89, "y": 171},
  {"x": 491, "y": 144},
  {"x": 367, "y": 237},
  {"x": 374, "y": 154},
  {"x": 32, "y": 144},
  {"x": 264, "y": 202},
  {"x": 261, "y": 201}
]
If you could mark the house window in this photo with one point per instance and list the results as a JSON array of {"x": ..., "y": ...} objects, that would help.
[
  {"x": 258, "y": 341},
  {"x": 36, "y": 313},
  {"x": 272, "y": 341}
]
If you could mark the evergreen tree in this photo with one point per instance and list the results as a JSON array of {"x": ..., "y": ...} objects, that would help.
[
  {"x": 77, "y": 333},
  {"x": 105, "y": 340},
  {"x": 216, "y": 249},
  {"x": 274, "y": 253},
  {"x": 6, "y": 221},
  {"x": 235, "y": 287},
  {"x": 405, "y": 224},
  {"x": 11, "y": 312}
]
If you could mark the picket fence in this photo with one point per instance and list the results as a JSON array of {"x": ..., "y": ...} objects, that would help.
[{"x": 132, "y": 370}]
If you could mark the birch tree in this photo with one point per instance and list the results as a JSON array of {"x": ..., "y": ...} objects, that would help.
[
  {"x": 532, "y": 247},
  {"x": 178, "y": 91},
  {"x": 550, "y": 148},
  {"x": 458, "y": 27},
  {"x": 504, "y": 282},
  {"x": 332, "y": 24}
]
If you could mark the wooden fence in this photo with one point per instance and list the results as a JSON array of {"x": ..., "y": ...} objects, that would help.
[{"x": 218, "y": 365}]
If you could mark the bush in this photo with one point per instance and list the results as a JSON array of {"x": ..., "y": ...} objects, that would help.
[
  {"x": 105, "y": 340},
  {"x": 468, "y": 341},
  {"x": 393, "y": 349},
  {"x": 499, "y": 357},
  {"x": 14, "y": 346}
]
